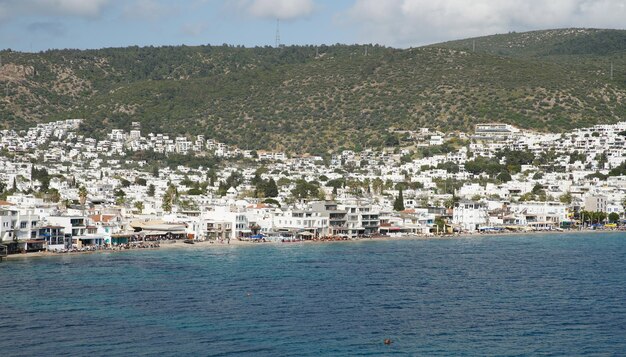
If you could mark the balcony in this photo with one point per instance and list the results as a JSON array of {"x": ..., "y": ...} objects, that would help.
[{"x": 77, "y": 222}]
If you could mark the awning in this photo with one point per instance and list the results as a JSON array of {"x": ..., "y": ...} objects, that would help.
[{"x": 160, "y": 233}]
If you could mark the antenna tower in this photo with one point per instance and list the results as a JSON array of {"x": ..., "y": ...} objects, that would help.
[{"x": 277, "y": 33}]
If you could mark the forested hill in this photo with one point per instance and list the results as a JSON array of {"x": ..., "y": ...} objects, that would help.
[{"x": 316, "y": 99}]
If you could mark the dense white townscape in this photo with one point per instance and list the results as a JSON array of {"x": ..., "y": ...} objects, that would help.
[{"x": 61, "y": 190}]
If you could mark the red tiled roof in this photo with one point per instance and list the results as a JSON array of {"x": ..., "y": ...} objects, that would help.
[
  {"x": 102, "y": 218},
  {"x": 258, "y": 205}
]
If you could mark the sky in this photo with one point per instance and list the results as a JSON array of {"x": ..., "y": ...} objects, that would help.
[{"x": 36, "y": 25}]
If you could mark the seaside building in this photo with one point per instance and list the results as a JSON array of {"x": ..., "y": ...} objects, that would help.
[
  {"x": 77, "y": 231},
  {"x": 470, "y": 215},
  {"x": 541, "y": 215},
  {"x": 596, "y": 204}
]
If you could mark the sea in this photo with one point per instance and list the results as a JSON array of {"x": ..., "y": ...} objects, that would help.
[{"x": 512, "y": 295}]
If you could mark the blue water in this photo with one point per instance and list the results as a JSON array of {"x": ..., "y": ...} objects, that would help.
[{"x": 510, "y": 295}]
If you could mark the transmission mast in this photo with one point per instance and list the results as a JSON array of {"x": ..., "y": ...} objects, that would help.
[{"x": 277, "y": 33}]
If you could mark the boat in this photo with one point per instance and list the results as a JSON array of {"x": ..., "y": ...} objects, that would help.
[{"x": 189, "y": 241}]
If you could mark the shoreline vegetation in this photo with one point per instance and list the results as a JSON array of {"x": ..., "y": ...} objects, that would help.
[{"x": 181, "y": 244}]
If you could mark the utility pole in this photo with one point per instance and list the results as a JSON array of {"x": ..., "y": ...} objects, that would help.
[
  {"x": 473, "y": 45},
  {"x": 611, "y": 71}
]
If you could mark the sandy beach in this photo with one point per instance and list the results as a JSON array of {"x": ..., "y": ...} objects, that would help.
[{"x": 179, "y": 244}]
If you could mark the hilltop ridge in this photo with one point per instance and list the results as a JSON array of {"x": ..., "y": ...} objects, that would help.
[{"x": 308, "y": 99}]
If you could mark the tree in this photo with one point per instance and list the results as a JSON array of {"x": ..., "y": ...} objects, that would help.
[
  {"x": 528, "y": 196},
  {"x": 222, "y": 189},
  {"x": 440, "y": 224},
  {"x": 151, "y": 190},
  {"x": 377, "y": 185},
  {"x": 271, "y": 201},
  {"x": 613, "y": 217},
  {"x": 398, "y": 204},
  {"x": 391, "y": 140},
  {"x": 304, "y": 189},
  {"x": 599, "y": 217},
  {"x": 490, "y": 166},
  {"x": 336, "y": 183},
  {"x": 235, "y": 179},
  {"x": 139, "y": 206},
  {"x": 537, "y": 189},
  {"x": 566, "y": 198},
  {"x": 449, "y": 166},
  {"x": 169, "y": 198},
  {"x": 124, "y": 182},
  {"x": 82, "y": 196},
  {"x": 120, "y": 196},
  {"x": 504, "y": 177},
  {"x": 450, "y": 202},
  {"x": 43, "y": 177},
  {"x": 211, "y": 176},
  {"x": 602, "y": 159},
  {"x": 256, "y": 179},
  {"x": 271, "y": 189},
  {"x": 54, "y": 195}
]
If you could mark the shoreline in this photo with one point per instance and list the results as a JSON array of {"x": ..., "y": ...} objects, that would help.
[{"x": 172, "y": 245}]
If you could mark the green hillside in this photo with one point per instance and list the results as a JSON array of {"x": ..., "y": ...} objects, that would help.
[
  {"x": 307, "y": 99},
  {"x": 574, "y": 41}
]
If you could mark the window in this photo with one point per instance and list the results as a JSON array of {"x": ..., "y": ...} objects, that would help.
[{"x": 23, "y": 224}]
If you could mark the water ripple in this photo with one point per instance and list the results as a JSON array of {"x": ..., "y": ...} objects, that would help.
[{"x": 515, "y": 296}]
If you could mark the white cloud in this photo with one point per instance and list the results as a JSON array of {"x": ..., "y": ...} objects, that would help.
[
  {"x": 416, "y": 22},
  {"x": 193, "y": 29},
  {"x": 146, "y": 9},
  {"x": 81, "y": 8},
  {"x": 87, "y": 8},
  {"x": 278, "y": 9}
]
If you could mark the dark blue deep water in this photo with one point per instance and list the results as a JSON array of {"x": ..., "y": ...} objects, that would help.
[{"x": 512, "y": 295}]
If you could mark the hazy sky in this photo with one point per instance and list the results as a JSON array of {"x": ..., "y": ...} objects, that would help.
[{"x": 34, "y": 25}]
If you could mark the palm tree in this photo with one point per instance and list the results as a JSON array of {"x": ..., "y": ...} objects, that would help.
[{"x": 82, "y": 197}]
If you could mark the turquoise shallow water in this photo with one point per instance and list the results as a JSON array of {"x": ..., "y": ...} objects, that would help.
[{"x": 509, "y": 295}]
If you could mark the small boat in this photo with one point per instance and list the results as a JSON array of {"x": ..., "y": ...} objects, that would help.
[{"x": 189, "y": 241}]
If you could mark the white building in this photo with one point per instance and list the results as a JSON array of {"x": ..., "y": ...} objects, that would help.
[{"x": 470, "y": 215}]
